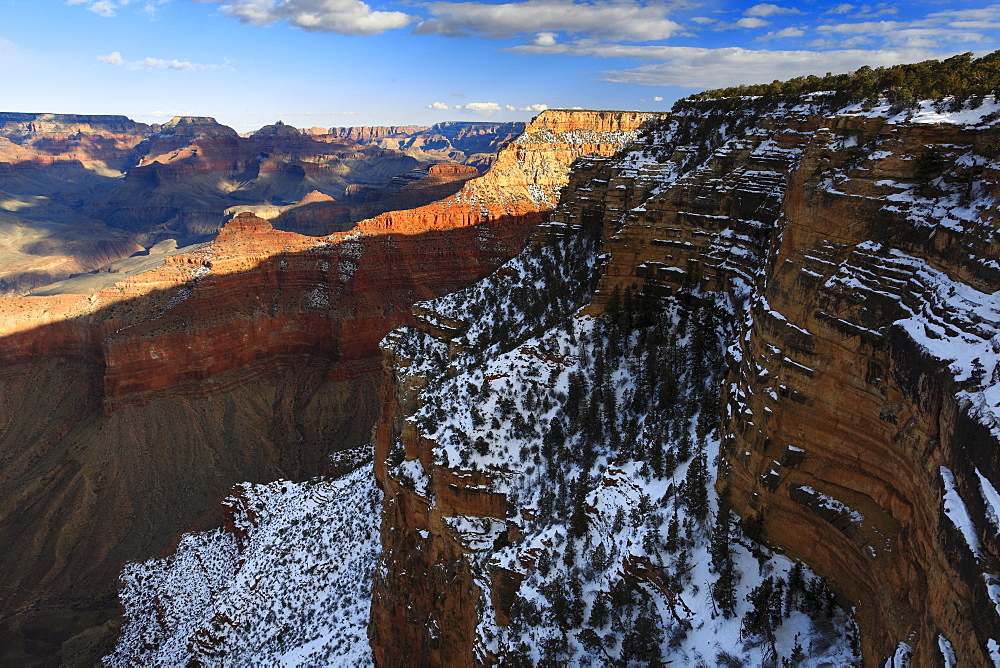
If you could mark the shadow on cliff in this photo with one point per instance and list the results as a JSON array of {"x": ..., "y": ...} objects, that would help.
[{"x": 125, "y": 427}]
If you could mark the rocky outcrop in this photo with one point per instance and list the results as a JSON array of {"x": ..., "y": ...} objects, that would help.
[
  {"x": 860, "y": 434},
  {"x": 317, "y": 214},
  {"x": 249, "y": 358},
  {"x": 82, "y": 191},
  {"x": 528, "y": 175},
  {"x": 846, "y": 434},
  {"x": 374, "y": 134},
  {"x": 844, "y": 428}
]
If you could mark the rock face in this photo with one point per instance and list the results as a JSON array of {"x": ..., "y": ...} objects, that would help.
[
  {"x": 873, "y": 332},
  {"x": 528, "y": 176},
  {"x": 132, "y": 410},
  {"x": 79, "y": 192},
  {"x": 855, "y": 253},
  {"x": 856, "y": 424},
  {"x": 375, "y": 134}
]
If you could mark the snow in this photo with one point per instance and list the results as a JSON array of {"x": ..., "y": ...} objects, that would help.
[
  {"x": 992, "y": 499},
  {"x": 295, "y": 591},
  {"x": 825, "y": 501},
  {"x": 412, "y": 472},
  {"x": 901, "y": 659},
  {"x": 495, "y": 389},
  {"x": 927, "y": 112},
  {"x": 994, "y": 648},
  {"x": 947, "y": 652},
  {"x": 958, "y": 513}
]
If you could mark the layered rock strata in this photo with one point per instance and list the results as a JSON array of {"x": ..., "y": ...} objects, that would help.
[
  {"x": 847, "y": 434},
  {"x": 472, "y": 143},
  {"x": 857, "y": 249},
  {"x": 80, "y": 192}
]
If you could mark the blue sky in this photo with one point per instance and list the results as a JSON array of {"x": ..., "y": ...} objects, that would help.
[{"x": 385, "y": 62}]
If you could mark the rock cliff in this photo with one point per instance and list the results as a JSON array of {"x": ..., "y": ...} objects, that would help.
[
  {"x": 737, "y": 402},
  {"x": 136, "y": 398},
  {"x": 844, "y": 257}
]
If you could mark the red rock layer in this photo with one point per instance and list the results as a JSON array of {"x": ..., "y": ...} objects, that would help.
[
  {"x": 187, "y": 382},
  {"x": 853, "y": 410},
  {"x": 527, "y": 176}
]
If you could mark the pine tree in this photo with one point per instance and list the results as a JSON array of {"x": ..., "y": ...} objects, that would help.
[
  {"x": 578, "y": 519},
  {"x": 696, "y": 487},
  {"x": 724, "y": 588}
]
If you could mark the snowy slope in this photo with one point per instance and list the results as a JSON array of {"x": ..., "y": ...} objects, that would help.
[{"x": 289, "y": 584}]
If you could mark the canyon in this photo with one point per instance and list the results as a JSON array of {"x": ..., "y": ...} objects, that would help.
[
  {"x": 718, "y": 386},
  {"x": 845, "y": 258},
  {"x": 80, "y": 192},
  {"x": 136, "y": 397}
]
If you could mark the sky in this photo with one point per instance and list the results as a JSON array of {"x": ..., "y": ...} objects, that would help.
[{"x": 327, "y": 63}]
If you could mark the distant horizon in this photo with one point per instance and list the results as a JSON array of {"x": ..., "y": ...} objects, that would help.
[
  {"x": 328, "y": 127},
  {"x": 348, "y": 63}
]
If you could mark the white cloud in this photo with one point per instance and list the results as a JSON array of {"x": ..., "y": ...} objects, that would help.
[
  {"x": 714, "y": 68},
  {"x": 929, "y": 32},
  {"x": 745, "y": 22},
  {"x": 7, "y": 46},
  {"x": 767, "y": 9},
  {"x": 878, "y": 10},
  {"x": 989, "y": 13},
  {"x": 978, "y": 25},
  {"x": 486, "y": 107},
  {"x": 101, "y": 7},
  {"x": 842, "y": 8},
  {"x": 781, "y": 34},
  {"x": 482, "y": 106},
  {"x": 626, "y": 20},
  {"x": 343, "y": 17},
  {"x": 545, "y": 38},
  {"x": 115, "y": 58},
  {"x": 161, "y": 64},
  {"x": 863, "y": 28}
]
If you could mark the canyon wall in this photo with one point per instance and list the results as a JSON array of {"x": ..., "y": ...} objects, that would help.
[
  {"x": 856, "y": 429},
  {"x": 427, "y": 594},
  {"x": 466, "y": 142},
  {"x": 855, "y": 251}
]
